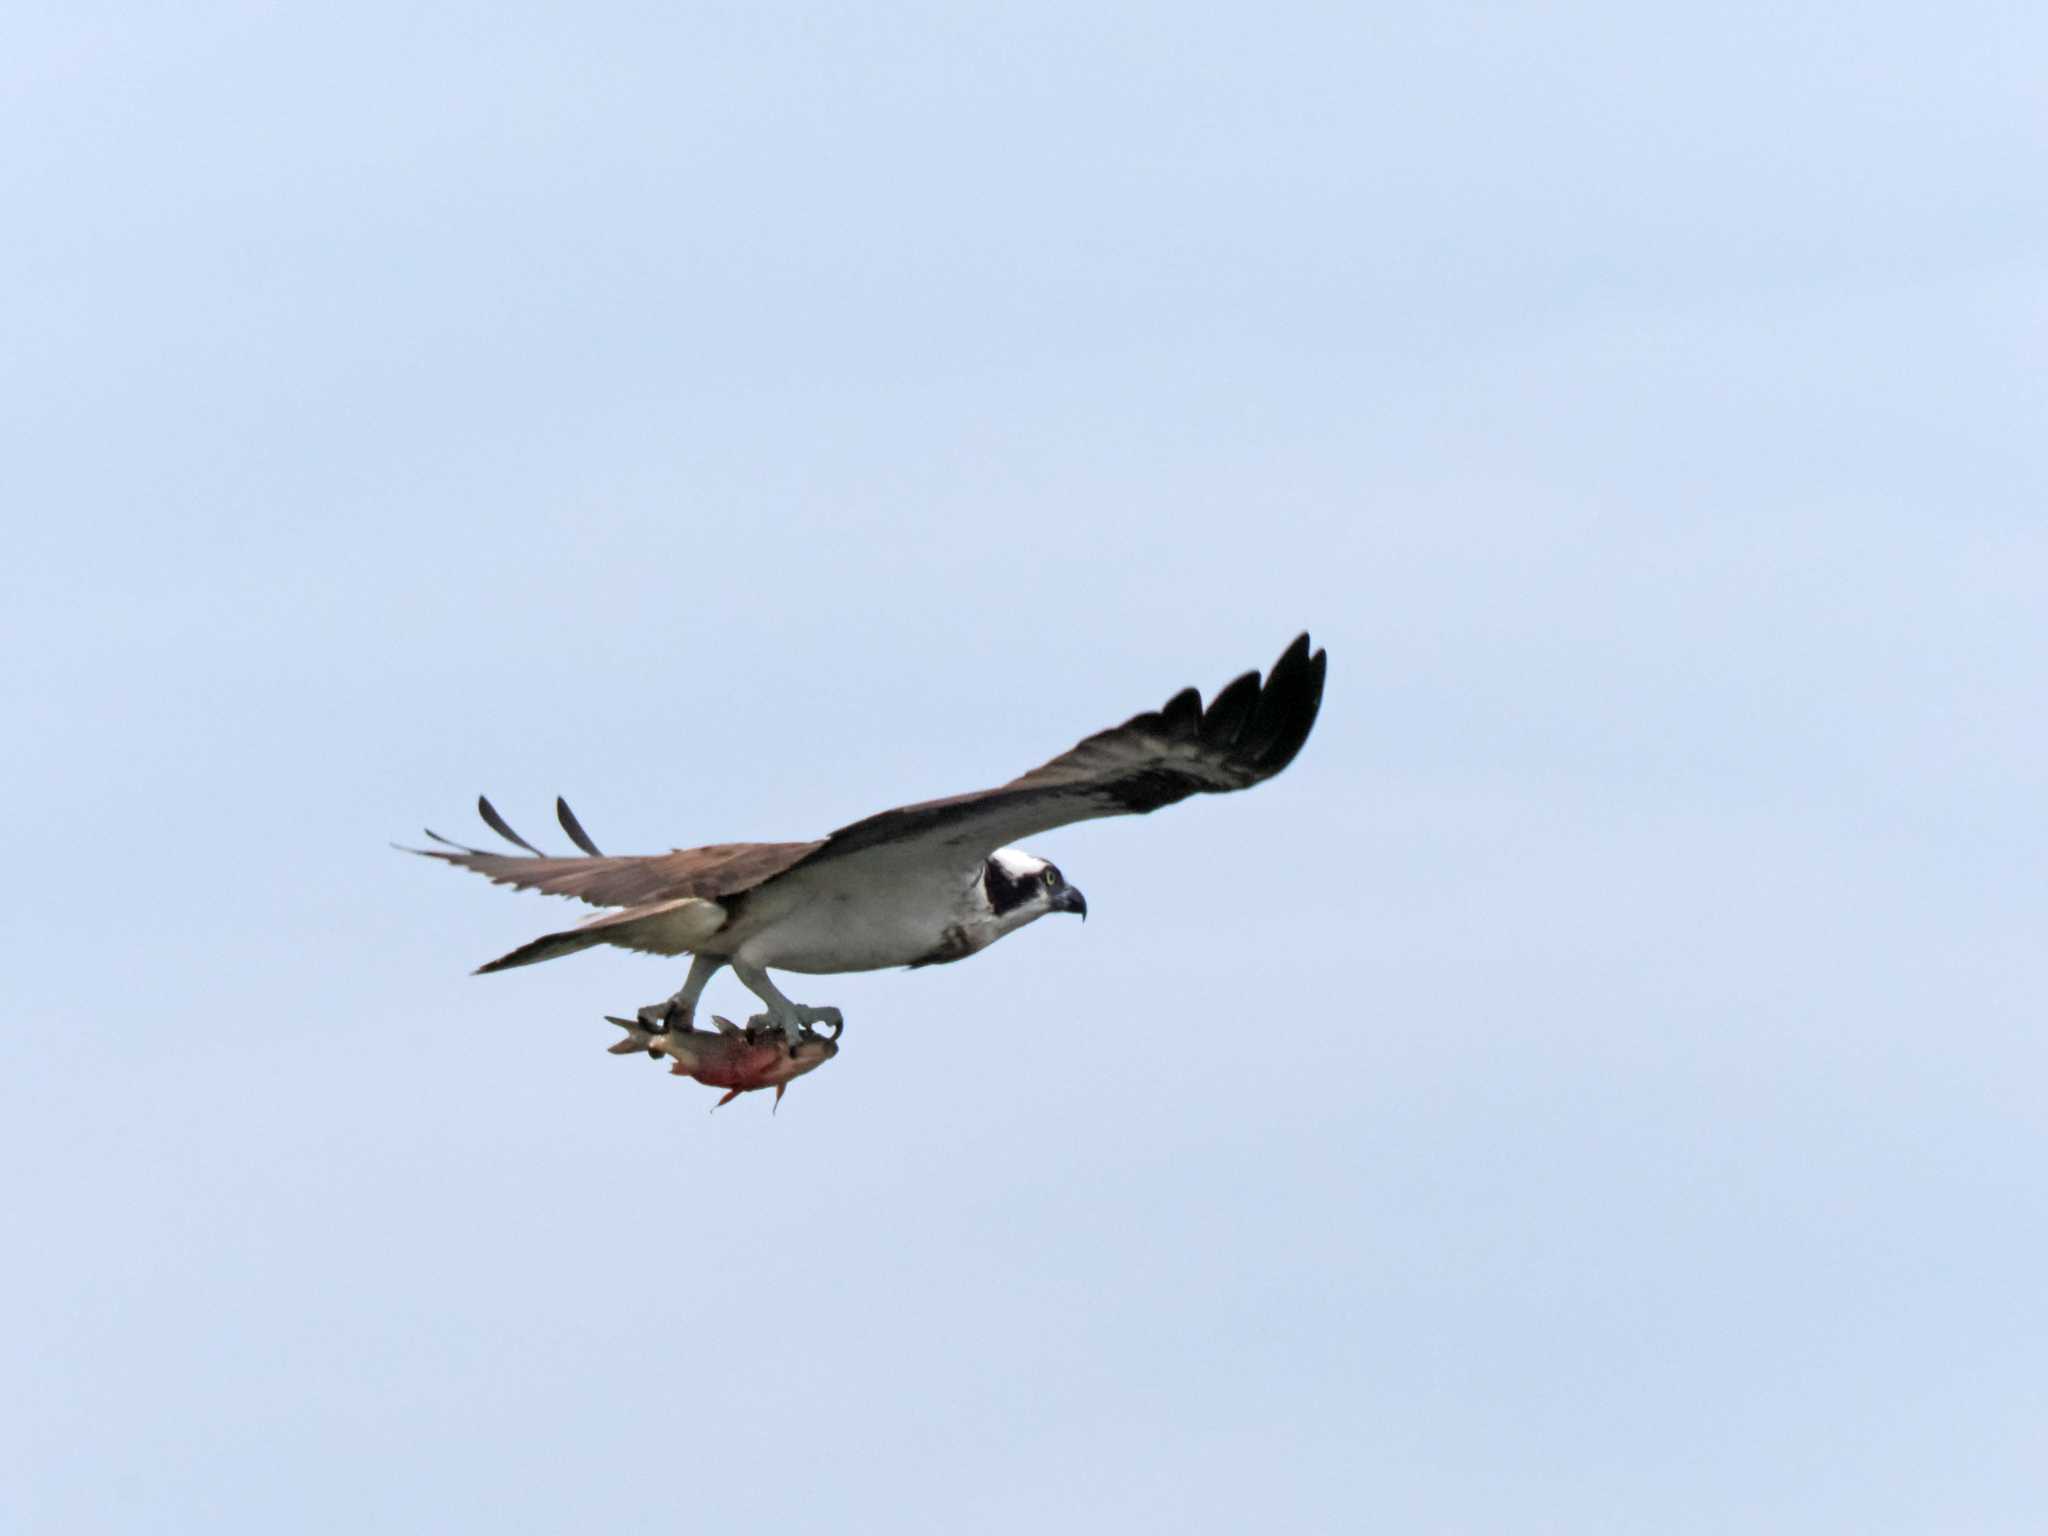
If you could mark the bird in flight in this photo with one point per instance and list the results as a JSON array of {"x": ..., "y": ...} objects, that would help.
[{"x": 922, "y": 884}]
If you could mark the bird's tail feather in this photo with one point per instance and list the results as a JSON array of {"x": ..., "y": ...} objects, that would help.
[
  {"x": 548, "y": 946},
  {"x": 660, "y": 928}
]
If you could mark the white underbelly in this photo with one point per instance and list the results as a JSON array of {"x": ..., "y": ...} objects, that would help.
[{"x": 834, "y": 926}]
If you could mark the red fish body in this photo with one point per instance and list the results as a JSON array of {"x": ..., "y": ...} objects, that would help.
[{"x": 729, "y": 1057}]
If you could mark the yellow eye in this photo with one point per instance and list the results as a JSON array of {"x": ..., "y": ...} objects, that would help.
[{"x": 1052, "y": 878}]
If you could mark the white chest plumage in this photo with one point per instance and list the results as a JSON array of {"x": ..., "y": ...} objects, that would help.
[{"x": 837, "y": 919}]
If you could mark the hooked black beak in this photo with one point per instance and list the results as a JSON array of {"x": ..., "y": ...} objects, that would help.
[{"x": 1070, "y": 899}]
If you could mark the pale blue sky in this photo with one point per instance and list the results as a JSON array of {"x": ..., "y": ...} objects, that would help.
[{"x": 1597, "y": 1089}]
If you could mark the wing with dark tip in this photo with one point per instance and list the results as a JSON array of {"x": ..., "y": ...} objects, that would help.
[{"x": 1248, "y": 733}]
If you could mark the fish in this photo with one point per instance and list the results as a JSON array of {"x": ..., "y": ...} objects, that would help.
[{"x": 737, "y": 1060}]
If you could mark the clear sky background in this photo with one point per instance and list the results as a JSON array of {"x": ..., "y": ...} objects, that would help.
[{"x": 1598, "y": 1088}]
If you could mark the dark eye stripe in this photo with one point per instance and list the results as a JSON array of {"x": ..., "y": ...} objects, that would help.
[{"x": 1005, "y": 893}]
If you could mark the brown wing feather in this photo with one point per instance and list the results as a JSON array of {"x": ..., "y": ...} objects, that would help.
[
  {"x": 631, "y": 880},
  {"x": 1249, "y": 733}
]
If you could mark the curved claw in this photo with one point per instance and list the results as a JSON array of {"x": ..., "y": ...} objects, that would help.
[{"x": 665, "y": 1016}]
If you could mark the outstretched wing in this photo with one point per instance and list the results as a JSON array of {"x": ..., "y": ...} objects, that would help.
[
  {"x": 628, "y": 880},
  {"x": 1248, "y": 733}
]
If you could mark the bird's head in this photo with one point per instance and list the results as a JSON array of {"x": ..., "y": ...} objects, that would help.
[{"x": 1022, "y": 887}]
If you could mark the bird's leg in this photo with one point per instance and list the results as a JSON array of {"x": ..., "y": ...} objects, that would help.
[
  {"x": 680, "y": 1011},
  {"x": 791, "y": 1018}
]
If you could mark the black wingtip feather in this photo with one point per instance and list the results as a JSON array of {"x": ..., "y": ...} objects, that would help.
[
  {"x": 574, "y": 828},
  {"x": 1283, "y": 713},
  {"x": 499, "y": 825},
  {"x": 1225, "y": 719},
  {"x": 1270, "y": 716},
  {"x": 1257, "y": 724},
  {"x": 1298, "y": 708},
  {"x": 1181, "y": 717}
]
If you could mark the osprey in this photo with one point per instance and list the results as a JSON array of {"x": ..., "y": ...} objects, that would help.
[{"x": 919, "y": 885}]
